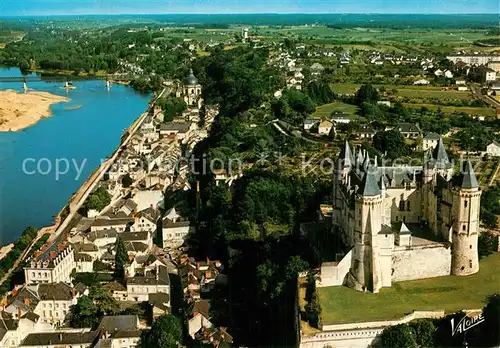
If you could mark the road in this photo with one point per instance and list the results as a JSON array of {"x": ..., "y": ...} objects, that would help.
[{"x": 476, "y": 90}]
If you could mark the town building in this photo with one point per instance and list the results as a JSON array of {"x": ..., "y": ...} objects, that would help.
[
  {"x": 430, "y": 141},
  {"x": 49, "y": 302},
  {"x": 493, "y": 149},
  {"x": 409, "y": 130},
  {"x": 490, "y": 75},
  {"x": 376, "y": 207},
  {"x": 119, "y": 331},
  {"x": 325, "y": 127},
  {"x": 65, "y": 339},
  {"x": 52, "y": 265},
  {"x": 175, "y": 228},
  {"x": 191, "y": 91}
]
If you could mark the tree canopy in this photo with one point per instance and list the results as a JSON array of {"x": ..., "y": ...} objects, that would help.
[
  {"x": 98, "y": 199},
  {"x": 166, "y": 332},
  {"x": 390, "y": 142}
]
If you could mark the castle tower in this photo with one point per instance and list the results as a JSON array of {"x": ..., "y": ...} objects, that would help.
[
  {"x": 365, "y": 271},
  {"x": 465, "y": 226},
  {"x": 341, "y": 171}
]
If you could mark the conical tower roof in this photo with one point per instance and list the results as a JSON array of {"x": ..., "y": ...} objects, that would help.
[
  {"x": 467, "y": 178},
  {"x": 359, "y": 158},
  {"x": 369, "y": 185},
  {"x": 346, "y": 157},
  {"x": 440, "y": 155}
]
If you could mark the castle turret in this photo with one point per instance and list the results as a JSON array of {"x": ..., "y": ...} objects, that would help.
[
  {"x": 465, "y": 227},
  {"x": 341, "y": 171},
  {"x": 365, "y": 270}
]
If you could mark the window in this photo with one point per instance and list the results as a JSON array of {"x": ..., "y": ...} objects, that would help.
[
  {"x": 404, "y": 218},
  {"x": 463, "y": 228},
  {"x": 470, "y": 263},
  {"x": 465, "y": 204},
  {"x": 401, "y": 205},
  {"x": 408, "y": 205},
  {"x": 397, "y": 218}
]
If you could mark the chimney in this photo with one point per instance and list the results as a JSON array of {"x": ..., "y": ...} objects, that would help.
[
  {"x": 37, "y": 254},
  {"x": 19, "y": 313},
  {"x": 27, "y": 301},
  {"x": 73, "y": 292},
  {"x": 52, "y": 255}
]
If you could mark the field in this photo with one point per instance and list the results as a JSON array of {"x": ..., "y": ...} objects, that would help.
[
  {"x": 483, "y": 111},
  {"x": 324, "y": 111},
  {"x": 451, "y": 293}
]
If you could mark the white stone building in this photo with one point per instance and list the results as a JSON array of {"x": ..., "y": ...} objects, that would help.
[
  {"x": 430, "y": 141},
  {"x": 175, "y": 228},
  {"x": 53, "y": 265},
  {"x": 493, "y": 149}
]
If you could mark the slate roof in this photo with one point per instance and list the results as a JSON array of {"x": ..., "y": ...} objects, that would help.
[
  {"x": 111, "y": 233},
  {"x": 83, "y": 257},
  {"x": 408, "y": 128},
  {"x": 135, "y": 236},
  {"x": 432, "y": 136},
  {"x": 466, "y": 178},
  {"x": 190, "y": 80},
  {"x": 200, "y": 306},
  {"x": 112, "y": 222},
  {"x": 60, "y": 338},
  {"x": 439, "y": 154},
  {"x": 151, "y": 279},
  {"x": 55, "y": 291},
  {"x": 346, "y": 155},
  {"x": 31, "y": 316},
  {"x": 127, "y": 334},
  {"x": 369, "y": 185},
  {"x": 181, "y": 127},
  {"x": 136, "y": 246},
  {"x": 119, "y": 322}
]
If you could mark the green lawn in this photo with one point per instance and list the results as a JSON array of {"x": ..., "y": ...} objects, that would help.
[
  {"x": 343, "y": 305},
  {"x": 484, "y": 111},
  {"x": 324, "y": 111},
  {"x": 345, "y": 88}
]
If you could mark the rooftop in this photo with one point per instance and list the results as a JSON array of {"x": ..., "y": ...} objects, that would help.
[{"x": 60, "y": 338}]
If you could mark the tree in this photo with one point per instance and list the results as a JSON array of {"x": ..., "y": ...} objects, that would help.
[
  {"x": 423, "y": 332},
  {"x": 172, "y": 107},
  {"x": 121, "y": 258},
  {"x": 320, "y": 92},
  {"x": 98, "y": 199},
  {"x": 127, "y": 181},
  {"x": 103, "y": 300},
  {"x": 166, "y": 332},
  {"x": 84, "y": 313},
  {"x": 490, "y": 329},
  {"x": 398, "y": 336},
  {"x": 390, "y": 142},
  {"x": 367, "y": 93},
  {"x": 487, "y": 244},
  {"x": 313, "y": 311}
]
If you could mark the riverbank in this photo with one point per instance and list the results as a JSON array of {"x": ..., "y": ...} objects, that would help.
[{"x": 21, "y": 110}]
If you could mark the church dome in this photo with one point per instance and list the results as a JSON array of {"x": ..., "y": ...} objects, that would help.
[{"x": 190, "y": 80}]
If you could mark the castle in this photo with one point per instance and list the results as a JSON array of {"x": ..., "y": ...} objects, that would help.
[{"x": 402, "y": 222}]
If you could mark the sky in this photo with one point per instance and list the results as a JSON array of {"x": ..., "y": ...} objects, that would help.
[{"x": 59, "y": 7}]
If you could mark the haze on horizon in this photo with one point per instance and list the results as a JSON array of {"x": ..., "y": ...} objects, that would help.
[{"x": 114, "y": 7}]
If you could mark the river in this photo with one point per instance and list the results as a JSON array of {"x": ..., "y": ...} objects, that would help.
[{"x": 81, "y": 133}]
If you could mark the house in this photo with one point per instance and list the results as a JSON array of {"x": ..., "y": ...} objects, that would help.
[
  {"x": 493, "y": 149},
  {"x": 292, "y": 82},
  {"x": 118, "y": 224},
  {"x": 65, "y": 339},
  {"x": 119, "y": 331},
  {"x": 325, "y": 127},
  {"x": 198, "y": 276},
  {"x": 490, "y": 75},
  {"x": 216, "y": 337},
  {"x": 460, "y": 82},
  {"x": 52, "y": 265},
  {"x": 49, "y": 302},
  {"x": 14, "y": 331},
  {"x": 199, "y": 314},
  {"x": 160, "y": 304},
  {"x": 409, "y": 130},
  {"x": 146, "y": 220},
  {"x": 365, "y": 132},
  {"x": 384, "y": 102},
  {"x": 340, "y": 117},
  {"x": 448, "y": 74},
  {"x": 175, "y": 228},
  {"x": 129, "y": 207},
  {"x": 462, "y": 88},
  {"x": 421, "y": 82},
  {"x": 310, "y": 122},
  {"x": 102, "y": 238},
  {"x": 430, "y": 141},
  {"x": 439, "y": 72},
  {"x": 140, "y": 287},
  {"x": 316, "y": 69},
  {"x": 180, "y": 129},
  {"x": 148, "y": 199}
]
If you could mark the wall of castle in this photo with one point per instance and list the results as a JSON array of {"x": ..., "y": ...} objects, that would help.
[
  {"x": 427, "y": 261},
  {"x": 403, "y": 205},
  {"x": 358, "y": 335},
  {"x": 333, "y": 273}
]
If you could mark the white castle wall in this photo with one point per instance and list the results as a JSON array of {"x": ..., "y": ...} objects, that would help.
[
  {"x": 333, "y": 273},
  {"x": 358, "y": 335},
  {"x": 432, "y": 260}
]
